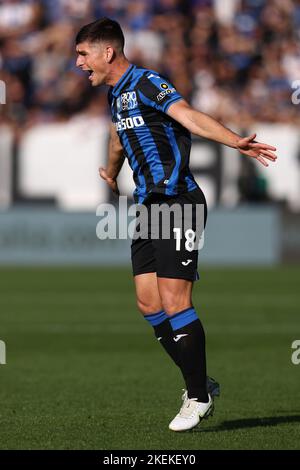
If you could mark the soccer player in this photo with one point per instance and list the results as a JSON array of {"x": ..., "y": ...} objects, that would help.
[{"x": 151, "y": 127}]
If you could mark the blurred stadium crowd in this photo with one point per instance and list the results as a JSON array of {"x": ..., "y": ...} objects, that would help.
[{"x": 234, "y": 59}]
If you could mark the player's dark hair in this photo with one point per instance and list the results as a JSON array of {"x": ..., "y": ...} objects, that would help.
[{"x": 103, "y": 29}]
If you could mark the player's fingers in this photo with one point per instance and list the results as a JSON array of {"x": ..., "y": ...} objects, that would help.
[
  {"x": 263, "y": 146},
  {"x": 261, "y": 160},
  {"x": 114, "y": 187},
  {"x": 102, "y": 173},
  {"x": 247, "y": 139},
  {"x": 269, "y": 155}
]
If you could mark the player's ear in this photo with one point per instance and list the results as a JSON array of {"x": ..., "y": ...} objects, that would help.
[{"x": 109, "y": 54}]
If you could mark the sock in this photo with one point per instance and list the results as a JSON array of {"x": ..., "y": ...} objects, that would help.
[
  {"x": 164, "y": 333},
  {"x": 190, "y": 341}
]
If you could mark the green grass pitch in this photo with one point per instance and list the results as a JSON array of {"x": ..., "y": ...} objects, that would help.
[{"x": 85, "y": 372}]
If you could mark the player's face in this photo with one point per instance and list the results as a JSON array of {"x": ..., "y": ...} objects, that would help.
[{"x": 92, "y": 57}]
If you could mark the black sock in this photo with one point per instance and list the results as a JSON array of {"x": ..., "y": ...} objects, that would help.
[
  {"x": 165, "y": 336},
  {"x": 164, "y": 333},
  {"x": 190, "y": 341}
]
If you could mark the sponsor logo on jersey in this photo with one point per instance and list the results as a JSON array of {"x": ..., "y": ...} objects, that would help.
[
  {"x": 129, "y": 123},
  {"x": 127, "y": 101},
  {"x": 162, "y": 94}
]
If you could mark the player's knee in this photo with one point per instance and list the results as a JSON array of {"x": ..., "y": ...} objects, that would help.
[
  {"x": 173, "y": 304},
  {"x": 148, "y": 308}
]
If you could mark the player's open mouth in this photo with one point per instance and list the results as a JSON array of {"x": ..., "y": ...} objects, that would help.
[{"x": 91, "y": 74}]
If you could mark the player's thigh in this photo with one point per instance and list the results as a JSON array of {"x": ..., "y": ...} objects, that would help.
[
  {"x": 142, "y": 256},
  {"x": 147, "y": 293},
  {"x": 144, "y": 271},
  {"x": 175, "y": 294}
]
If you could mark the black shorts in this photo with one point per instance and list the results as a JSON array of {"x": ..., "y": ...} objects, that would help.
[{"x": 176, "y": 256}]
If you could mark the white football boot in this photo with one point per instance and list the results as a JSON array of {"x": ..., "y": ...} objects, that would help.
[
  {"x": 212, "y": 387},
  {"x": 191, "y": 413}
]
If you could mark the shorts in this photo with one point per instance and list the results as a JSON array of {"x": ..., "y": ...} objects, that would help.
[{"x": 176, "y": 256}]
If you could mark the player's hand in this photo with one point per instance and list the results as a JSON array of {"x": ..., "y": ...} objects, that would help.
[
  {"x": 110, "y": 181},
  {"x": 261, "y": 152}
]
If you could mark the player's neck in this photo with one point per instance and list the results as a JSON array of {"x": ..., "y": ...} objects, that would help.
[{"x": 118, "y": 69}]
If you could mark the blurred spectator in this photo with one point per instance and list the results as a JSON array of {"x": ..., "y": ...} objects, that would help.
[
  {"x": 235, "y": 59},
  {"x": 252, "y": 186},
  {"x": 18, "y": 17}
]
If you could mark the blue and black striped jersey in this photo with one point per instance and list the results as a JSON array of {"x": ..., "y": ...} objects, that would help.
[{"x": 157, "y": 146}]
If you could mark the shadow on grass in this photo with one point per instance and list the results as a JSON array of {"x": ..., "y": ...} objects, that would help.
[{"x": 250, "y": 423}]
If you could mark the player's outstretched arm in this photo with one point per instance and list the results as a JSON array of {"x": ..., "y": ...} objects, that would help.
[
  {"x": 115, "y": 160},
  {"x": 205, "y": 126}
]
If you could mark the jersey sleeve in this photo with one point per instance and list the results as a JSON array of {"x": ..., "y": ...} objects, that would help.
[{"x": 157, "y": 92}]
